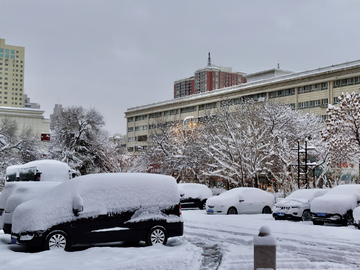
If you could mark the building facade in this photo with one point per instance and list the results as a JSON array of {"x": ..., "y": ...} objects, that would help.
[
  {"x": 310, "y": 90},
  {"x": 12, "y": 63},
  {"x": 207, "y": 79}
]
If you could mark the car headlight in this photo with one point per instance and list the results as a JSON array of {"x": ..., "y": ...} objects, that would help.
[{"x": 26, "y": 237}]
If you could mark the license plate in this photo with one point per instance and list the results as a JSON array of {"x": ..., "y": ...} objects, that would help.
[
  {"x": 280, "y": 214},
  {"x": 210, "y": 211},
  {"x": 321, "y": 214},
  {"x": 13, "y": 240}
]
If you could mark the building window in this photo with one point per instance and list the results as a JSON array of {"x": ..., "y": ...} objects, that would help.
[
  {"x": 324, "y": 117},
  {"x": 336, "y": 100},
  {"x": 171, "y": 112},
  {"x": 324, "y": 102},
  {"x": 141, "y": 117},
  {"x": 292, "y": 106},
  {"x": 130, "y": 139},
  {"x": 130, "y": 149},
  {"x": 290, "y": 92},
  {"x": 188, "y": 109},
  {"x": 324, "y": 86},
  {"x": 336, "y": 83},
  {"x": 357, "y": 80},
  {"x": 303, "y": 105},
  {"x": 155, "y": 115},
  {"x": 141, "y": 128},
  {"x": 142, "y": 138},
  {"x": 207, "y": 106},
  {"x": 130, "y": 129},
  {"x": 303, "y": 89}
]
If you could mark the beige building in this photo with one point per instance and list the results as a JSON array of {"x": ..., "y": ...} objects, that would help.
[
  {"x": 310, "y": 90},
  {"x": 12, "y": 63},
  {"x": 25, "y": 117}
]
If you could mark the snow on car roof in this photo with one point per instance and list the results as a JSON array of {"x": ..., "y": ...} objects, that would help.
[
  {"x": 51, "y": 170},
  {"x": 100, "y": 193},
  {"x": 193, "y": 190},
  {"x": 307, "y": 194}
]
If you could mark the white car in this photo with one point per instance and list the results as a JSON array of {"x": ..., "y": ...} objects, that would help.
[
  {"x": 336, "y": 206},
  {"x": 356, "y": 216},
  {"x": 242, "y": 200},
  {"x": 297, "y": 205},
  {"x": 193, "y": 195}
]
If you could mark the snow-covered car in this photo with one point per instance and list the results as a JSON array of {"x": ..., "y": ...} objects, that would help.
[
  {"x": 101, "y": 208},
  {"x": 296, "y": 206},
  {"x": 242, "y": 200},
  {"x": 336, "y": 206},
  {"x": 194, "y": 195},
  {"x": 24, "y": 192},
  {"x": 34, "y": 172},
  {"x": 356, "y": 217}
]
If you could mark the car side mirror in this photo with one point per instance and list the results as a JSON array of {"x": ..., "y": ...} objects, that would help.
[{"x": 78, "y": 205}]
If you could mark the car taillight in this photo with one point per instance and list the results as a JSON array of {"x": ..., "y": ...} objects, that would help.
[{"x": 179, "y": 209}]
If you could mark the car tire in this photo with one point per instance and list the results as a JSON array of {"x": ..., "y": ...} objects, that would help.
[
  {"x": 306, "y": 216},
  {"x": 266, "y": 210},
  {"x": 349, "y": 220},
  {"x": 57, "y": 240},
  {"x": 316, "y": 222},
  {"x": 232, "y": 211},
  {"x": 202, "y": 205},
  {"x": 157, "y": 235}
]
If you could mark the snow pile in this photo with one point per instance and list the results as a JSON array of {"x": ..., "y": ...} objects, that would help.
[
  {"x": 192, "y": 190},
  {"x": 338, "y": 200},
  {"x": 265, "y": 238},
  {"x": 51, "y": 170},
  {"x": 100, "y": 193}
]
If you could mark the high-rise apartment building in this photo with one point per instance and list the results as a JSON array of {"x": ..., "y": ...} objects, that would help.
[
  {"x": 207, "y": 79},
  {"x": 12, "y": 63}
]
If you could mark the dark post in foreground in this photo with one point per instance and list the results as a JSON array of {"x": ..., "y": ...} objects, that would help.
[{"x": 264, "y": 249}]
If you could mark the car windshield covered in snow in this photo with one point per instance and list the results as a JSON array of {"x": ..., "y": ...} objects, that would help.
[{"x": 100, "y": 207}]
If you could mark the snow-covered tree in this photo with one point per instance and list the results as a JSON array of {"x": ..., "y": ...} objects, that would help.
[
  {"x": 342, "y": 135},
  {"x": 78, "y": 139}
]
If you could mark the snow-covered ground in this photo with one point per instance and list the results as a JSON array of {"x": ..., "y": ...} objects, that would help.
[{"x": 209, "y": 242}]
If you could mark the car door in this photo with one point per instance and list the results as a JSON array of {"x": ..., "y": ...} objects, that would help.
[{"x": 243, "y": 206}]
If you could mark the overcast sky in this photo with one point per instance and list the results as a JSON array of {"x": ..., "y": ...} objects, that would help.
[{"x": 113, "y": 55}]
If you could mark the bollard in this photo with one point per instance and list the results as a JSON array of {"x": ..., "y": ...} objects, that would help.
[{"x": 264, "y": 250}]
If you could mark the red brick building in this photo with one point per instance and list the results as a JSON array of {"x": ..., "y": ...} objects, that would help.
[{"x": 207, "y": 79}]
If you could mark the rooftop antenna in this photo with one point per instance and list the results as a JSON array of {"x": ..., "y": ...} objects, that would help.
[{"x": 209, "y": 60}]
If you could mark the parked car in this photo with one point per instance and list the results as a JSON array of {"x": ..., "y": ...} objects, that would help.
[
  {"x": 101, "y": 208},
  {"x": 25, "y": 175},
  {"x": 242, "y": 200},
  {"x": 356, "y": 217},
  {"x": 296, "y": 206},
  {"x": 194, "y": 195},
  {"x": 336, "y": 206}
]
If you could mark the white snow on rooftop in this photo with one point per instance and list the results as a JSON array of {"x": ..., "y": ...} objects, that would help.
[{"x": 251, "y": 84}]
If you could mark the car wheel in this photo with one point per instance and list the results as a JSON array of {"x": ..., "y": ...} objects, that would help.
[
  {"x": 349, "y": 220},
  {"x": 157, "y": 235},
  {"x": 266, "y": 210},
  {"x": 232, "y": 211},
  {"x": 316, "y": 222},
  {"x": 57, "y": 240},
  {"x": 306, "y": 216},
  {"x": 202, "y": 205}
]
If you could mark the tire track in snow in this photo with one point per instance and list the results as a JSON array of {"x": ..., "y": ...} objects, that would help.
[{"x": 316, "y": 251}]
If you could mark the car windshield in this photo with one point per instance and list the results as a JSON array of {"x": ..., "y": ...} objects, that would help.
[
  {"x": 22, "y": 174},
  {"x": 307, "y": 194}
]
